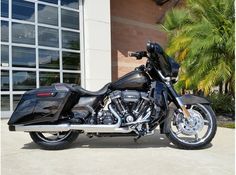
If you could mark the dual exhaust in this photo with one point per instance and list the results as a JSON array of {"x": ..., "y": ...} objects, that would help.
[
  {"x": 115, "y": 128},
  {"x": 67, "y": 127}
]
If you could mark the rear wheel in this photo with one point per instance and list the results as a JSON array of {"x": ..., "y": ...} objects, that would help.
[
  {"x": 54, "y": 140},
  {"x": 197, "y": 131}
]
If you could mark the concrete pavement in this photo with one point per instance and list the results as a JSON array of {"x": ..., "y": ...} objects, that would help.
[{"x": 152, "y": 155}]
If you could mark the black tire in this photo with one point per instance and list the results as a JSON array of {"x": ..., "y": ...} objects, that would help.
[
  {"x": 37, "y": 137},
  {"x": 184, "y": 145}
]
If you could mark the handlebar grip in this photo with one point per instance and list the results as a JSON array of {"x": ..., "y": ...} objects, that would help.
[
  {"x": 139, "y": 55},
  {"x": 132, "y": 54}
]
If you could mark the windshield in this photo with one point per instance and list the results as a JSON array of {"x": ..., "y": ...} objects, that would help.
[{"x": 168, "y": 66}]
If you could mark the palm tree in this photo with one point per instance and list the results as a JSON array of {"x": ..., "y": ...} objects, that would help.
[{"x": 201, "y": 37}]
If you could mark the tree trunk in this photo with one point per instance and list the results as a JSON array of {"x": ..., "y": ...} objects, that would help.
[{"x": 221, "y": 88}]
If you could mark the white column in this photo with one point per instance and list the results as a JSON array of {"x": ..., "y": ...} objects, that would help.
[{"x": 97, "y": 43}]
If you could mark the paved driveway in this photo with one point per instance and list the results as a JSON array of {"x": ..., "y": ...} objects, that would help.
[{"x": 152, "y": 155}]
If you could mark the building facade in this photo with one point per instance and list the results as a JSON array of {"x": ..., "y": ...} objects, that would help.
[{"x": 72, "y": 41}]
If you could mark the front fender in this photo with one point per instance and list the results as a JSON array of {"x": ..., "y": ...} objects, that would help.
[{"x": 193, "y": 99}]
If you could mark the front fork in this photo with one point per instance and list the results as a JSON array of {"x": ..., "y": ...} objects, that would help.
[{"x": 177, "y": 100}]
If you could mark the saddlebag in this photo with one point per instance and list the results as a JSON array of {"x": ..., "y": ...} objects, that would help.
[{"x": 45, "y": 104}]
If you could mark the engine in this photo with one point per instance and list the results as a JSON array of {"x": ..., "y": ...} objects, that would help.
[{"x": 130, "y": 104}]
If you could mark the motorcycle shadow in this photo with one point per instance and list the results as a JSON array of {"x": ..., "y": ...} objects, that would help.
[{"x": 153, "y": 141}]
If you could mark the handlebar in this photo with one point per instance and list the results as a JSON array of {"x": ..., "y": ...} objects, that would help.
[{"x": 139, "y": 54}]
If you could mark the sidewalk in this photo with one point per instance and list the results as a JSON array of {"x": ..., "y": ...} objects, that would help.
[{"x": 152, "y": 155}]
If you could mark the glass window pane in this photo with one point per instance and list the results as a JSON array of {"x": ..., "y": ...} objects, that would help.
[
  {"x": 48, "y": 78},
  {"x": 71, "y": 78},
  {"x": 71, "y": 61},
  {"x": 4, "y": 56},
  {"x": 4, "y": 80},
  {"x": 23, "y": 33},
  {"x": 4, "y": 31},
  {"x": 48, "y": 59},
  {"x": 70, "y": 3},
  {"x": 69, "y": 19},
  {"x": 4, "y": 8},
  {"x": 24, "y": 80},
  {"x": 23, "y": 10},
  {"x": 70, "y": 40},
  {"x": 5, "y": 102},
  {"x": 50, "y": 1},
  {"x": 16, "y": 100},
  {"x": 47, "y": 15},
  {"x": 48, "y": 37},
  {"x": 23, "y": 57}
]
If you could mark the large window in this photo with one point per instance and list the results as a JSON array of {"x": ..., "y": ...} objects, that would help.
[{"x": 40, "y": 45}]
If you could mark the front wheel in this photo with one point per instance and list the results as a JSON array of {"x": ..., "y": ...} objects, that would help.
[
  {"x": 195, "y": 132},
  {"x": 54, "y": 140}
]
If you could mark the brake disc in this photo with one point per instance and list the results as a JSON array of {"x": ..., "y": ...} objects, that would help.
[{"x": 190, "y": 126}]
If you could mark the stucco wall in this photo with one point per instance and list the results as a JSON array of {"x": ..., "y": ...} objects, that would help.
[{"x": 97, "y": 43}]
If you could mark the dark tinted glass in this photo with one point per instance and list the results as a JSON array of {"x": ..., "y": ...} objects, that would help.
[
  {"x": 70, "y": 3},
  {"x": 4, "y": 56},
  {"x": 69, "y": 19},
  {"x": 48, "y": 78},
  {"x": 16, "y": 100},
  {"x": 47, "y": 15},
  {"x": 71, "y": 78},
  {"x": 23, "y": 10},
  {"x": 70, "y": 40},
  {"x": 48, "y": 37},
  {"x": 23, "y": 33},
  {"x": 5, "y": 102},
  {"x": 71, "y": 60},
  {"x": 4, "y": 8},
  {"x": 4, "y": 80},
  {"x": 24, "y": 80},
  {"x": 48, "y": 59},
  {"x": 4, "y": 31},
  {"x": 23, "y": 57},
  {"x": 50, "y": 1}
]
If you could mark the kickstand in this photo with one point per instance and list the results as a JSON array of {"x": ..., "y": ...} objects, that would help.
[{"x": 137, "y": 138}]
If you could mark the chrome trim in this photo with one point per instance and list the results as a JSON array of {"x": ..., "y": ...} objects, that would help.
[{"x": 86, "y": 128}]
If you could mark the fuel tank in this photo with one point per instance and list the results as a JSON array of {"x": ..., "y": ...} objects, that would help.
[{"x": 135, "y": 80}]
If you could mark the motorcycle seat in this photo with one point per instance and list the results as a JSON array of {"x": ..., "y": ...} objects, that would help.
[{"x": 85, "y": 93}]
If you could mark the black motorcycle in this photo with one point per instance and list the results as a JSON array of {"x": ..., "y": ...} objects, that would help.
[{"x": 134, "y": 106}]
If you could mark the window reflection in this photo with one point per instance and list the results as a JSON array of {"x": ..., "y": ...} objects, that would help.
[
  {"x": 16, "y": 100},
  {"x": 23, "y": 57},
  {"x": 4, "y": 80},
  {"x": 4, "y": 31},
  {"x": 71, "y": 60},
  {"x": 70, "y": 3},
  {"x": 48, "y": 78},
  {"x": 5, "y": 102},
  {"x": 24, "y": 80},
  {"x": 23, "y": 33},
  {"x": 47, "y": 14},
  {"x": 4, "y": 8},
  {"x": 71, "y": 78},
  {"x": 69, "y": 19},
  {"x": 50, "y": 1},
  {"x": 70, "y": 40},
  {"x": 23, "y": 10},
  {"x": 48, "y": 37},
  {"x": 48, "y": 59},
  {"x": 4, "y": 55}
]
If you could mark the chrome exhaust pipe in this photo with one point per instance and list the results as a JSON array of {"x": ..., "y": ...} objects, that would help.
[{"x": 66, "y": 127}]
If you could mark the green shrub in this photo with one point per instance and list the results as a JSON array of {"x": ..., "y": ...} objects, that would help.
[{"x": 222, "y": 103}]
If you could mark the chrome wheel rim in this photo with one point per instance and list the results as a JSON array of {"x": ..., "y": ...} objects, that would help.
[
  {"x": 195, "y": 131},
  {"x": 53, "y": 137}
]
